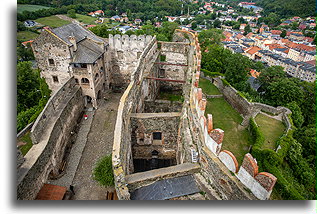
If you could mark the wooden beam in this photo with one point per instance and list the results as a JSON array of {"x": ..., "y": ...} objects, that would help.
[{"x": 164, "y": 79}]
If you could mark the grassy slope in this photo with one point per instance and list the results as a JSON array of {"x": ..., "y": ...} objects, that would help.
[
  {"x": 26, "y": 35},
  {"x": 236, "y": 138},
  {"x": 52, "y": 21},
  {"x": 207, "y": 87},
  {"x": 272, "y": 130},
  {"x": 86, "y": 19},
  {"x": 30, "y": 7}
]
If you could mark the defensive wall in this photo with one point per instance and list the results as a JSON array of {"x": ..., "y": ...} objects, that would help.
[
  {"x": 220, "y": 167},
  {"x": 248, "y": 109},
  {"x": 50, "y": 134}
]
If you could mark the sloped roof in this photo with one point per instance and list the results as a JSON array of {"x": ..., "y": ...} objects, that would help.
[
  {"x": 87, "y": 52},
  {"x": 253, "y": 50},
  {"x": 74, "y": 30}
]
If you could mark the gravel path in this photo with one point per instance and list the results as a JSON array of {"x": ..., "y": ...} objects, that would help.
[{"x": 99, "y": 144}]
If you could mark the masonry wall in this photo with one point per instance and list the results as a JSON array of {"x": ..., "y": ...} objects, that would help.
[
  {"x": 50, "y": 135},
  {"x": 176, "y": 54},
  {"x": 131, "y": 102},
  {"x": 157, "y": 106},
  {"x": 125, "y": 52},
  {"x": 143, "y": 125},
  {"x": 47, "y": 46}
]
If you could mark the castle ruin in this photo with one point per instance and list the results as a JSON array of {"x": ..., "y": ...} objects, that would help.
[{"x": 156, "y": 140}]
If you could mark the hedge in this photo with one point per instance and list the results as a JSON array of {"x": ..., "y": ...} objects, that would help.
[{"x": 211, "y": 74}]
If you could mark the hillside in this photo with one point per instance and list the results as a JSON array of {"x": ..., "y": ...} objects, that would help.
[{"x": 288, "y": 8}]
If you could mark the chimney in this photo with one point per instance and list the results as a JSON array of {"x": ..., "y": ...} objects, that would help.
[{"x": 73, "y": 41}]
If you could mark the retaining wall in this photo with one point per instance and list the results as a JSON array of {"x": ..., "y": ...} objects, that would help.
[{"x": 51, "y": 134}]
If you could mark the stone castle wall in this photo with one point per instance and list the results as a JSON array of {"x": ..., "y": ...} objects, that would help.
[
  {"x": 131, "y": 102},
  {"x": 249, "y": 109},
  {"x": 144, "y": 124},
  {"x": 48, "y": 46},
  {"x": 219, "y": 168},
  {"x": 50, "y": 134},
  {"x": 125, "y": 52}
]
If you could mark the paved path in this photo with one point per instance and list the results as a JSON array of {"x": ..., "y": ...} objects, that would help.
[
  {"x": 99, "y": 144},
  {"x": 75, "y": 153}
]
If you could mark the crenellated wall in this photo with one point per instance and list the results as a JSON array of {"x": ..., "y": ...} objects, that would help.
[
  {"x": 219, "y": 168},
  {"x": 125, "y": 53},
  {"x": 50, "y": 134}
]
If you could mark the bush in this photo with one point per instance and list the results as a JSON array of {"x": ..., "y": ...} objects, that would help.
[
  {"x": 103, "y": 172},
  {"x": 24, "y": 117}
]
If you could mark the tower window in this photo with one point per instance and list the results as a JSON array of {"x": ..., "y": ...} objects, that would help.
[
  {"x": 51, "y": 62},
  {"x": 55, "y": 78},
  {"x": 157, "y": 135}
]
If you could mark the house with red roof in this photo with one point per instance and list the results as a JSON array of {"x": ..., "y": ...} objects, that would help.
[
  {"x": 252, "y": 51},
  {"x": 96, "y": 13}
]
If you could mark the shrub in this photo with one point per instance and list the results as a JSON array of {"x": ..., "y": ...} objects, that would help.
[{"x": 103, "y": 172}]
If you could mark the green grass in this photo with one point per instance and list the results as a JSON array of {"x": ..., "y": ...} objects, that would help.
[
  {"x": 30, "y": 7},
  {"x": 272, "y": 130},
  {"x": 207, "y": 87},
  {"x": 52, "y": 21},
  {"x": 86, "y": 19},
  {"x": 27, "y": 139},
  {"x": 170, "y": 97},
  {"x": 26, "y": 35},
  {"x": 236, "y": 138},
  {"x": 103, "y": 172}
]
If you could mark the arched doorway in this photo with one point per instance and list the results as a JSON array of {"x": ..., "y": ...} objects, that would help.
[{"x": 88, "y": 101}]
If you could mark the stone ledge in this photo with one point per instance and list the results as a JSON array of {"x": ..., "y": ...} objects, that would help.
[
  {"x": 137, "y": 180},
  {"x": 151, "y": 115}
]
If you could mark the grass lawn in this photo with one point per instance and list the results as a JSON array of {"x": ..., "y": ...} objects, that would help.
[
  {"x": 27, "y": 139},
  {"x": 208, "y": 87},
  {"x": 30, "y": 7},
  {"x": 86, "y": 19},
  {"x": 272, "y": 130},
  {"x": 52, "y": 21},
  {"x": 236, "y": 138},
  {"x": 26, "y": 35}
]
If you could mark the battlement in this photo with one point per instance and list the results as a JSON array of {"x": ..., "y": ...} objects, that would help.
[{"x": 129, "y": 43}]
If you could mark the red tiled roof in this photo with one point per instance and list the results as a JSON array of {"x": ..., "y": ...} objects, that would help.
[
  {"x": 27, "y": 42},
  {"x": 239, "y": 36},
  {"x": 276, "y": 32},
  {"x": 51, "y": 192},
  {"x": 254, "y": 73},
  {"x": 253, "y": 50}
]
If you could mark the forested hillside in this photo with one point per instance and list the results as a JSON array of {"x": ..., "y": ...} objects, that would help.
[{"x": 287, "y": 8}]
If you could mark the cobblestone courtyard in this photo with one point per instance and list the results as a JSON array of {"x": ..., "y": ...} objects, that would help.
[{"x": 99, "y": 144}]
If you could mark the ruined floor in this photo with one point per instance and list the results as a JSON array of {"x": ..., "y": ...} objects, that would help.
[{"x": 99, "y": 144}]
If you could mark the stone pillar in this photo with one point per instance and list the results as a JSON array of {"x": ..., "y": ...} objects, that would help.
[{"x": 209, "y": 122}]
